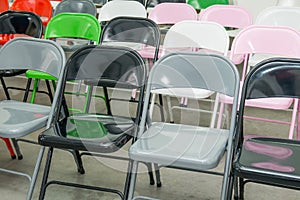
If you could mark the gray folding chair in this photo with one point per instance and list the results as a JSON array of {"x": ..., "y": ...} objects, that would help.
[
  {"x": 20, "y": 118},
  {"x": 187, "y": 147}
]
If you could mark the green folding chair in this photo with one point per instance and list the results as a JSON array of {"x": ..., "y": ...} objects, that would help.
[
  {"x": 72, "y": 31},
  {"x": 202, "y": 4}
]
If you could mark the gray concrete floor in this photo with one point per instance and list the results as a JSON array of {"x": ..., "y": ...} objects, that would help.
[{"x": 177, "y": 184}]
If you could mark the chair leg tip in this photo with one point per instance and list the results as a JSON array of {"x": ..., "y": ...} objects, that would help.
[
  {"x": 158, "y": 184},
  {"x": 81, "y": 171},
  {"x": 20, "y": 157},
  {"x": 13, "y": 157}
]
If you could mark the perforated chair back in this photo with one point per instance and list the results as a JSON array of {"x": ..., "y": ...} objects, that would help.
[
  {"x": 279, "y": 16},
  {"x": 127, "y": 8},
  {"x": 171, "y": 13},
  {"x": 197, "y": 34},
  {"x": 76, "y": 6}
]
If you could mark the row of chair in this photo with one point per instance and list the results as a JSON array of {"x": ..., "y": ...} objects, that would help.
[{"x": 189, "y": 147}]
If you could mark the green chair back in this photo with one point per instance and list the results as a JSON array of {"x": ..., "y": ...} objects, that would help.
[
  {"x": 202, "y": 4},
  {"x": 74, "y": 25}
]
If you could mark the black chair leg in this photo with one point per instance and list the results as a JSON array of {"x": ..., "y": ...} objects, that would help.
[
  {"x": 5, "y": 88},
  {"x": 17, "y": 149},
  {"x": 150, "y": 173},
  {"x": 78, "y": 161},
  {"x": 241, "y": 188},
  {"x": 27, "y": 90},
  {"x": 49, "y": 90},
  {"x": 157, "y": 174},
  {"x": 46, "y": 173}
]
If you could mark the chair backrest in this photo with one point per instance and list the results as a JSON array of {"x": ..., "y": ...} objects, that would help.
[
  {"x": 265, "y": 40},
  {"x": 153, "y": 3},
  {"x": 19, "y": 22},
  {"x": 255, "y": 6},
  {"x": 43, "y": 8},
  {"x": 212, "y": 72},
  {"x": 128, "y": 8},
  {"x": 74, "y": 25},
  {"x": 258, "y": 39},
  {"x": 200, "y": 4},
  {"x": 76, "y": 6},
  {"x": 275, "y": 77},
  {"x": 119, "y": 67},
  {"x": 227, "y": 15},
  {"x": 171, "y": 13},
  {"x": 4, "y": 5},
  {"x": 131, "y": 30},
  {"x": 197, "y": 34},
  {"x": 279, "y": 16},
  {"x": 32, "y": 53}
]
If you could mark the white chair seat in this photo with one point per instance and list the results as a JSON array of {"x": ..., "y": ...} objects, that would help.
[
  {"x": 183, "y": 146},
  {"x": 19, "y": 118}
]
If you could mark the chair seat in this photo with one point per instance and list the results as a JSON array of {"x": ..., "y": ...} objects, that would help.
[
  {"x": 39, "y": 75},
  {"x": 263, "y": 158},
  {"x": 193, "y": 93},
  {"x": 268, "y": 103},
  {"x": 19, "y": 118},
  {"x": 183, "y": 146},
  {"x": 97, "y": 133}
]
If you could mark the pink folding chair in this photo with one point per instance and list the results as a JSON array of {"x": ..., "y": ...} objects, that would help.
[
  {"x": 273, "y": 40},
  {"x": 231, "y": 16}
]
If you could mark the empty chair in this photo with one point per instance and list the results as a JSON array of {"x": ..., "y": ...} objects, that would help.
[
  {"x": 264, "y": 158},
  {"x": 21, "y": 118},
  {"x": 230, "y": 16},
  {"x": 17, "y": 24},
  {"x": 187, "y": 147},
  {"x": 171, "y": 13},
  {"x": 95, "y": 132},
  {"x": 264, "y": 40},
  {"x": 77, "y": 6},
  {"x": 43, "y": 8},
  {"x": 123, "y": 8},
  {"x": 193, "y": 36},
  {"x": 64, "y": 28},
  {"x": 255, "y": 6}
]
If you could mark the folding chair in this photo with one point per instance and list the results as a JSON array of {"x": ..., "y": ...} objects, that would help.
[
  {"x": 181, "y": 146},
  {"x": 264, "y": 158},
  {"x": 67, "y": 27},
  {"x": 43, "y": 8},
  {"x": 78, "y": 6},
  {"x": 191, "y": 35},
  {"x": 124, "y": 8},
  {"x": 94, "y": 133},
  {"x": 260, "y": 39},
  {"x": 21, "y": 118},
  {"x": 17, "y": 24}
]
